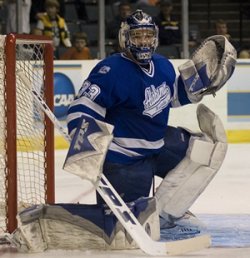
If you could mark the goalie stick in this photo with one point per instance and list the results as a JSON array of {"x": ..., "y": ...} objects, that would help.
[{"x": 119, "y": 207}]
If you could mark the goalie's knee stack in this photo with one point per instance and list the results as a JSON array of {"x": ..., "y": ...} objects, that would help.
[{"x": 76, "y": 226}]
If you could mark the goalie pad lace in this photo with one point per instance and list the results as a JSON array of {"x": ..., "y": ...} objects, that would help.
[
  {"x": 210, "y": 67},
  {"x": 80, "y": 227}
]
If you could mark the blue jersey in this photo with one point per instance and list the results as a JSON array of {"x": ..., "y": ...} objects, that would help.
[{"x": 135, "y": 100}]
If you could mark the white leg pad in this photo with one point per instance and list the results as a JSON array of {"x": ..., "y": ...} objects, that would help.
[
  {"x": 45, "y": 227},
  {"x": 206, "y": 152}
]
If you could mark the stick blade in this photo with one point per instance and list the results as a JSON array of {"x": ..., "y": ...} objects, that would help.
[{"x": 188, "y": 245}]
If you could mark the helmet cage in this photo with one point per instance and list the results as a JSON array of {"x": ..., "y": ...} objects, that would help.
[{"x": 139, "y": 37}]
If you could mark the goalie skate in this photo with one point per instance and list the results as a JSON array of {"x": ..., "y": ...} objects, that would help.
[{"x": 181, "y": 228}]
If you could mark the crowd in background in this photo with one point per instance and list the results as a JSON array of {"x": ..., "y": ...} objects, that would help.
[{"x": 48, "y": 17}]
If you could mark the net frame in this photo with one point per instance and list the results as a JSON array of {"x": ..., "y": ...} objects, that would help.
[{"x": 10, "y": 114}]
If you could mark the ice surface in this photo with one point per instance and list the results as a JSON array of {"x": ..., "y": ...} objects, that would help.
[{"x": 224, "y": 207}]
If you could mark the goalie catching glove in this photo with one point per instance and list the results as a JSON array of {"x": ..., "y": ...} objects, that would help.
[{"x": 210, "y": 67}]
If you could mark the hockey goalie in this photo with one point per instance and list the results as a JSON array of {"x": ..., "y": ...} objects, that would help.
[{"x": 118, "y": 123}]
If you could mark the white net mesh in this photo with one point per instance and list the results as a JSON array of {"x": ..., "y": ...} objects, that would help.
[
  {"x": 2, "y": 136},
  {"x": 30, "y": 138}
]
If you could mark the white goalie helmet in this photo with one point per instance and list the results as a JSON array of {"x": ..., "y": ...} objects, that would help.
[{"x": 138, "y": 35}]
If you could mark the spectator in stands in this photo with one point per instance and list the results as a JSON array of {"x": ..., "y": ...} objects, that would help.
[
  {"x": 11, "y": 22},
  {"x": 245, "y": 53},
  {"x": 169, "y": 26},
  {"x": 221, "y": 28},
  {"x": 52, "y": 24},
  {"x": 79, "y": 50},
  {"x": 147, "y": 2},
  {"x": 38, "y": 8},
  {"x": 113, "y": 27}
]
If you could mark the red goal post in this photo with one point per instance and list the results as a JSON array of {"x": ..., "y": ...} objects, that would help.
[{"x": 26, "y": 134}]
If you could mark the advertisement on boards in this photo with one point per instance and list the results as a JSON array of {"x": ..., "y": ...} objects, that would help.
[{"x": 68, "y": 78}]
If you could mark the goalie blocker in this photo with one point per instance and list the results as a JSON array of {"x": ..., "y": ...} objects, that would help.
[{"x": 88, "y": 148}]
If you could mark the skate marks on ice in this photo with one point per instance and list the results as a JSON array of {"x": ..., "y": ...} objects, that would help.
[
  {"x": 232, "y": 230},
  {"x": 230, "y": 239}
]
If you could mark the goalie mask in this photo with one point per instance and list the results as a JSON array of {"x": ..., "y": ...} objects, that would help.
[{"x": 138, "y": 35}]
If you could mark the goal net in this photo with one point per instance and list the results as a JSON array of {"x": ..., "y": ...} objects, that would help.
[{"x": 26, "y": 135}]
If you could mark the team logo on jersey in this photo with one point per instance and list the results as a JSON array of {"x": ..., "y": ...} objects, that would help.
[
  {"x": 156, "y": 99},
  {"x": 104, "y": 69}
]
